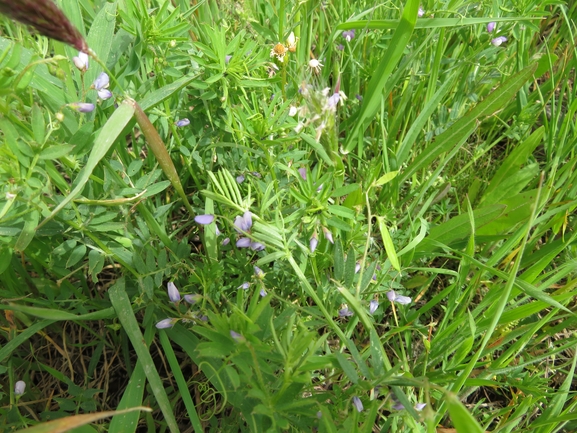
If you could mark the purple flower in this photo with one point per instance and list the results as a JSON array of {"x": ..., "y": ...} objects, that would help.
[
  {"x": 183, "y": 122},
  {"x": 192, "y": 299},
  {"x": 262, "y": 292},
  {"x": 258, "y": 272},
  {"x": 82, "y": 107},
  {"x": 328, "y": 235},
  {"x": 236, "y": 336},
  {"x": 19, "y": 388},
  {"x": 243, "y": 223},
  {"x": 358, "y": 404},
  {"x": 166, "y": 323},
  {"x": 173, "y": 293},
  {"x": 340, "y": 47},
  {"x": 225, "y": 241},
  {"x": 204, "y": 219},
  {"x": 81, "y": 61},
  {"x": 349, "y": 35},
  {"x": 420, "y": 406},
  {"x": 240, "y": 179},
  {"x": 399, "y": 406},
  {"x": 104, "y": 94},
  {"x": 313, "y": 243},
  {"x": 256, "y": 174},
  {"x": 102, "y": 81},
  {"x": 420, "y": 12},
  {"x": 373, "y": 305},
  {"x": 393, "y": 297},
  {"x": 333, "y": 100},
  {"x": 491, "y": 26},
  {"x": 303, "y": 172},
  {"x": 227, "y": 59},
  {"x": 320, "y": 188},
  {"x": 244, "y": 286},
  {"x": 359, "y": 97},
  {"x": 345, "y": 312},
  {"x": 499, "y": 40}
]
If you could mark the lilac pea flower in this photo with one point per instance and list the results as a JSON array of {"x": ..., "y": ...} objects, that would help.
[
  {"x": 357, "y": 268},
  {"x": 243, "y": 286},
  {"x": 193, "y": 298},
  {"x": 236, "y": 336},
  {"x": 491, "y": 26},
  {"x": 243, "y": 243},
  {"x": 349, "y": 35},
  {"x": 204, "y": 219},
  {"x": 225, "y": 241},
  {"x": 240, "y": 179},
  {"x": 333, "y": 100},
  {"x": 398, "y": 406},
  {"x": 102, "y": 81},
  {"x": 256, "y": 174},
  {"x": 303, "y": 172},
  {"x": 182, "y": 122},
  {"x": 420, "y": 12},
  {"x": 499, "y": 40},
  {"x": 166, "y": 323},
  {"x": 420, "y": 406},
  {"x": 173, "y": 293},
  {"x": 345, "y": 312},
  {"x": 19, "y": 388},
  {"x": 243, "y": 223},
  {"x": 104, "y": 94},
  {"x": 82, "y": 107},
  {"x": 358, "y": 404},
  {"x": 217, "y": 231},
  {"x": 393, "y": 297},
  {"x": 262, "y": 293},
  {"x": 328, "y": 235},
  {"x": 373, "y": 305},
  {"x": 313, "y": 243},
  {"x": 227, "y": 59},
  {"x": 340, "y": 47},
  {"x": 256, "y": 246},
  {"x": 258, "y": 272},
  {"x": 81, "y": 61}
]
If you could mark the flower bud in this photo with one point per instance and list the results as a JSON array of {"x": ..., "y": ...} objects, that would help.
[
  {"x": 173, "y": 293},
  {"x": 19, "y": 388}
]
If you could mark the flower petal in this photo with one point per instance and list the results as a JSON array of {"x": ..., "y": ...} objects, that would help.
[
  {"x": 243, "y": 243},
  {"x": 204, "y": 219}
]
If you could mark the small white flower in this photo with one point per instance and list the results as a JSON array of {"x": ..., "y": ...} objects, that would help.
[
  {"x": 291, "y": 42},
  {"x": 279, "y": 51},
  {"x": 293, "y": 111},
  {"x": 81, "y": 61},
  {"x": 315, "y": 66},
  {"x": 19, "y": 388}
]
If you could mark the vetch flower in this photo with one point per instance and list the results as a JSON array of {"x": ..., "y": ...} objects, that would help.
[
  {"x": 236, "y": 336},
  {"x": 491, "y": 26},
  {"x": 243, "y": 286},
  {"x": 345, "y": 312},
  {"x": 349, "y": 35},
  {"x": 420, "y": 12},
  {"x": 420, "y": 406},
  {"x": 399, "y": 299},
  {"x": 19, "y": 388},
  {"x": 243, "y": 224},
  {"x": 499, "y": 40},
  {"x": 373, "y": 305},
  {"x": 173, "y": 293},
  {"x": 303, "y": 172},
  {"x": 262, "y": 293},
  {"x": 81, "y": 61},
  {"x": 192, "y": 298},
  {"x": 240, "y": 179},
  {"x": 204, "y": 219},
  {"x": 340, "y": 47},
  {"x": 182, "y": 122},
  {"x": 166, "y": 323},
  {"x": 100, "y": 84},
  {"x": 258, "y": 272},
  {"x": 82, "y": 107},
  {"x": 315, "y": 66},
  {"x": 227, "y": 59},
  {"x": 225, "y": 241},
  {"x": 328, "y": 235},
  {"x": 358, "y": 404},
  {"x": 314, "y": 242}
]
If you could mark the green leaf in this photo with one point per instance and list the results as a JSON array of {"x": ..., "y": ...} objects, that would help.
[
  {"x": 125, "y": 314},
  {"x": 28, "y": 231},
  {"x": 462, "y": 419},
  {"x": 386, "y": 178},
  {"x": 389, "y": 246},
  {"x": 106, "y": 138},
  {"x": 348, "y": 367}
]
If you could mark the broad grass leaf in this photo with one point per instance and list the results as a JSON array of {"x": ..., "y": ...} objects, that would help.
[{"x": 462, "y": 419}]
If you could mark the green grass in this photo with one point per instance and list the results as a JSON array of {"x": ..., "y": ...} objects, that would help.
[{"x": 445, "y": 173}]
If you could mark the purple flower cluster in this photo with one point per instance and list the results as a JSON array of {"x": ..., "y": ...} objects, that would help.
[{"x": 242, "y": 225}]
